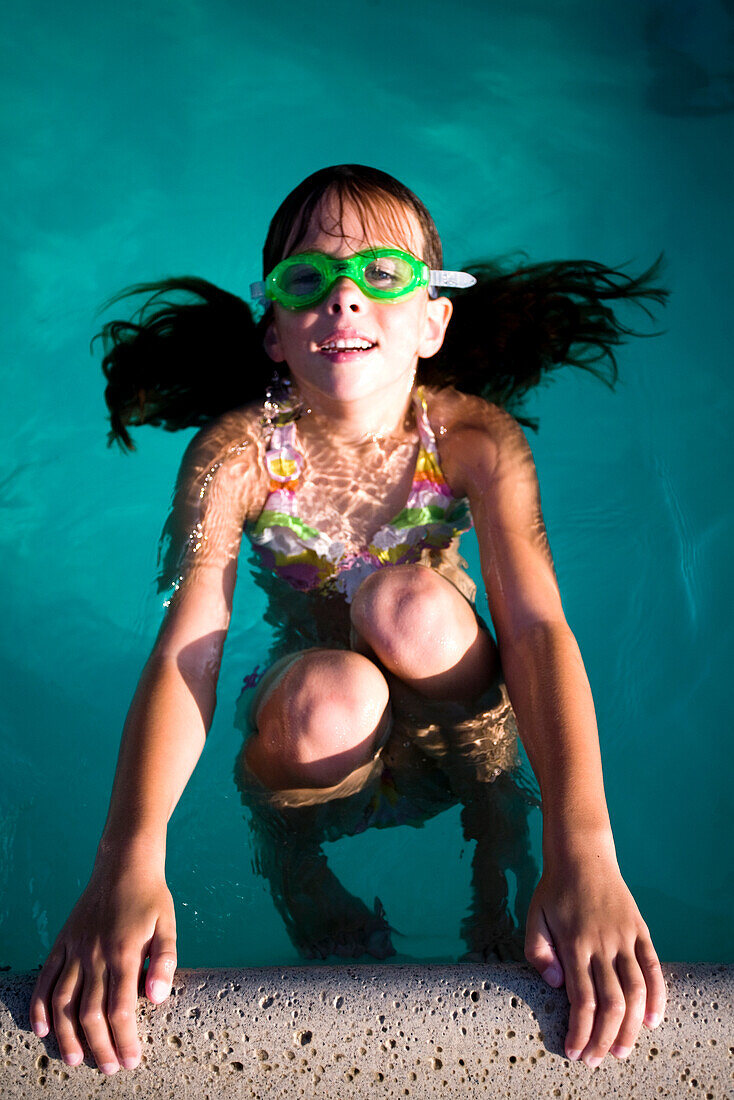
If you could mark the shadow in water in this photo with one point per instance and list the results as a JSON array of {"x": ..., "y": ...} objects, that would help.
[{"x": 691, "y": 53}]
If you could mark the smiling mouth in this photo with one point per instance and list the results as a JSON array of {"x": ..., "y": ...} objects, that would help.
[{"x": 349, "y": 344}]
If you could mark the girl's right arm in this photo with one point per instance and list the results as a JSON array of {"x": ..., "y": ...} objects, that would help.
[{"x": 89, "y": 984}]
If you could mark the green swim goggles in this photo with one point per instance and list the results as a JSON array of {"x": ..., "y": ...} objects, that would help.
[{"x": 386, "y": 274}]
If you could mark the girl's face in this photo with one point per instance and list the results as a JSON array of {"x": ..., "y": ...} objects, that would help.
[{"x": 399, "y": 332}]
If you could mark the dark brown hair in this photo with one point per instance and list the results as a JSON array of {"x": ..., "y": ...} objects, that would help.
[{"x": 194, "y": 351}]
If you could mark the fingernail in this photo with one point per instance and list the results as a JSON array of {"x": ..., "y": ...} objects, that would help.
[
  {"x": 109, "y": 1068},
  {"x": 594, "y": 1062},
  {"x": 73, "y": 1059},
  {"x": 40, "y": 1029},
  {"x": 620, "y": 1052},
  {"x": 552, "y": 975},
  {"x": 652, "y": 1019},
  {"x": 129, "y": 1063},
  {"x": 159, "y": 991},
  {"x": 574, "y": 1055}
]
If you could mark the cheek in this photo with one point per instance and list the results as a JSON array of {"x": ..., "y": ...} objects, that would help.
[
  {"x": 404, "y": 330},
  {"x": 293, "y": 330}
]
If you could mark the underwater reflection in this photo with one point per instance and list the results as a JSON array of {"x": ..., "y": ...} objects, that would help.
[{"x": 437, "y": 755}]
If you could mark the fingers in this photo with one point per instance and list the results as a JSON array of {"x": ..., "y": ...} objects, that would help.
[
  {"x": 93, "y": 1018},
  {"x": 539, "y": 949},
  {"x": 122, "y": 999},
  {"x": 582, "y": 998},
  {"x": 162, "y": 965},
  {"x": 654, "y": 981},
  {"x": 40, "y": 1011},
  {"x": 590, "y": 928},
  {"x": 610, "y": 1011},
  {"x": 64, "y": 1004},
  {"x": 609, "y": 1000},
  {"x": 87, "y": 1001},
  {"x": 635, "y": 994}
]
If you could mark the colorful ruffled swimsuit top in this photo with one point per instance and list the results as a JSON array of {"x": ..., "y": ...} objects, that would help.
[{"x": 308, "y": 559}]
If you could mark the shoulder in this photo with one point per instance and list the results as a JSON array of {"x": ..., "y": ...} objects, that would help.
[
  {"x": 220, "y": 485},
  {"x": 477, "y": 440},
  {"x": 223, "y": 436},
  {"x": 225, "y": 455}
]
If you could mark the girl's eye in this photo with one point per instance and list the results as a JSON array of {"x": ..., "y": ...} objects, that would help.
[
  {"x": 301, "y": 279},
  {"x": 385, "y": 273}
]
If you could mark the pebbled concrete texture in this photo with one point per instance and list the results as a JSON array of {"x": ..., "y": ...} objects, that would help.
[{"x": 394, "y": 1031}]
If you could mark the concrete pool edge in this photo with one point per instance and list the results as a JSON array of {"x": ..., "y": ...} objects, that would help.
[{"x": 381, "y": 1030}]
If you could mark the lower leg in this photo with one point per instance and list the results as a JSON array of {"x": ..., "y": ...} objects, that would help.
[
  {"x": 320, "y": 719},
  {"x": 427, "y": 636},
  {"x": 497, "y": 818},
  {"x": 320, "y": 915}
]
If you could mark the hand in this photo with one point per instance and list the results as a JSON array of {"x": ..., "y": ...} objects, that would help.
[
  {"x": 584, "y": 928},
  {"x": 89, "y": 983}
]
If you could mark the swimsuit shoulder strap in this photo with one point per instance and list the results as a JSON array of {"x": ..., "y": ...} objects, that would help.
[
  {"x": 428, "y": 477},
  {"x": 284, "y": 458},
  {"x": 425, "y": 431}
]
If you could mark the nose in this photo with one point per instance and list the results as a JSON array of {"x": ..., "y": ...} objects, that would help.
[{"x": 344, "y": 297}]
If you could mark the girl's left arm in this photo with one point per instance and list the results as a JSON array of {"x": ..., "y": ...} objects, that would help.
[{"x": 583, "y": 926}]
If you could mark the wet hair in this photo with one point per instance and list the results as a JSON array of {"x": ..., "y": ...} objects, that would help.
[
  {"x": 194, "y": 351},
  {"x": 379, "y": 200}
]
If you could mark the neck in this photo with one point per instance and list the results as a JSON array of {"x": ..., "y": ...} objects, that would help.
[{"x": 358, "y": 420}]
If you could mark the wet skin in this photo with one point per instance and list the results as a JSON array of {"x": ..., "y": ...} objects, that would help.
[{"x": 583, "y": 927}]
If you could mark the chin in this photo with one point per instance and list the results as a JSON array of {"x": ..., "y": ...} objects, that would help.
[
  {"x": 348, "y": 388},
  {"x": 340, "y": 380}
]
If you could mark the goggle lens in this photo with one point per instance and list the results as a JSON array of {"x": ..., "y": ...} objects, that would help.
[
  {"x": 389, "y": 273},
  {"x": 300, "y": 280}
]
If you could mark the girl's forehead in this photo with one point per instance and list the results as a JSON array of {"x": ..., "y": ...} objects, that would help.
[{"x": 382, "y": 224}]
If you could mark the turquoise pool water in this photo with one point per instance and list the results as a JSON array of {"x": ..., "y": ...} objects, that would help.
[{"x": 158, "y": 140}]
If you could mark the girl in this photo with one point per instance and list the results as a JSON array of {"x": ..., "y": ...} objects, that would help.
[{"x": 393, "y": 699}]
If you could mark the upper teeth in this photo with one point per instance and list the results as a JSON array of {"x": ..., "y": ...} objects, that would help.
[{"x": 348, "y": 344}]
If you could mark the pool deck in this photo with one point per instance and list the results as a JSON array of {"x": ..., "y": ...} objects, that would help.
[{"x": 392, "y": 1031}]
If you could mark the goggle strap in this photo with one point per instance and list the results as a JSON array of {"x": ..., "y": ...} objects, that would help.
[
  {"x": 451, "y": 278},
  {"x": 257, "y": 290}
]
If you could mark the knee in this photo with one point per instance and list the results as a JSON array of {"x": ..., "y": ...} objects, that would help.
[
  {"x": 413, "y": 619},
  {"x": 322, "y": 720}
]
